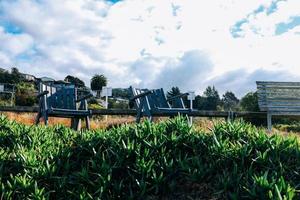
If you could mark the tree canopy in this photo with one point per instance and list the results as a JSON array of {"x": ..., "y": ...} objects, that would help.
[
  {"x": 229, "y": 101},
  {"x": 250, "y": 102},
  {"x": 12, "y": 77},
  {"x": 212, "y": 98},
  {"x": 74, "y": 80},
  {"x": 97, "y": 82},
  {"x": 173, "y": 92}
]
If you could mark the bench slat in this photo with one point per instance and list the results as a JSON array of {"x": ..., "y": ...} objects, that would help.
[
  {"x": 278, "y": 98},
  {"x": 275, "y": 83}
]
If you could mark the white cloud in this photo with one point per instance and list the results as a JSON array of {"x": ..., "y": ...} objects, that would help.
[{"x": 151, "y": 43}]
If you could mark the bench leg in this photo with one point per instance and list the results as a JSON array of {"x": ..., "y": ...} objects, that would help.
[
  {"x": 269, "y": 121},
  {"x": 73, "y": 123},
  {"x": 138, "y": 117},
  {"x": 78, "y": 127},
  {"x": 37, "y": 119},
  {"x": 150, "y": 118},
  {"x": 87, "y": 122},
  {"x": 230, "y": 117},
  {"x": 46, "y": 119}
]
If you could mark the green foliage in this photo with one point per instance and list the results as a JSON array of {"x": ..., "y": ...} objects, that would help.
[
  {"x": 98, "y": 81},
  {"x": 114, "y": 103},
  {"x": 92, "y": 100},
  {"x": 5, "y": 102},
  {"x": 250, "y": 102},
  {"x": 229, "y": 101},
  {"x": 199, "y": 102},
  {"x": 209, "y": 101},
  {"x": 289, "y": 126},
  {"x": 173, "y": 92},
  {"x": 25, "y": 94},
  {"x": 147, "y": 161},
  {"x": 95, "y": 106},
  {"x": 74, "y": 80},
  {"x": 13, "y": 77},
  {"x": 121, "y": 93},
  {"x": 6, "y": 99}
]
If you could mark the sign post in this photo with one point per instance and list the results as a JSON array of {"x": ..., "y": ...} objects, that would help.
[
  {"x": 106, "y": 92},
  {"x": 191, "y": 97}
]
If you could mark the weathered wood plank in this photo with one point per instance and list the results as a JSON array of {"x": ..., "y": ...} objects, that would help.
[
  {"x": 267, "y": 83},
  {"x": 19, "y": 109},
  {"x": 195, "y": 113},
  {"x": 278, "y": 98}
]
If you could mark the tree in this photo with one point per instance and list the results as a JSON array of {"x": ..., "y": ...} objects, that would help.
[
  {"x": 173, "y": 92},
  {"x": 212, "y": 98},
  {"x": 13, "y": 77},
  {"x": 97, "y": 82},
  {"x": 250, "y": 102},
  {"x": 229, "y": 101},
  {"x": 5, "y": 76},
  {"x": 199, "y": 102},
  {"x": 16, "y": 76},
  {"x": 74, "y": 80}
]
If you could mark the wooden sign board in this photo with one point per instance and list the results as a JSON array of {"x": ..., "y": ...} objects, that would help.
[
  {"x": 191, "y": 96},
  {"x": 106, "y": 91}
]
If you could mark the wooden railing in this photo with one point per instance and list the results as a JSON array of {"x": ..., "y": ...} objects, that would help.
[{"x": 194, "y": 113}]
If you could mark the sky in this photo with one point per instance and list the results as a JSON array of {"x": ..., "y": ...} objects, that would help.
[{"x": 154, "y": 43}]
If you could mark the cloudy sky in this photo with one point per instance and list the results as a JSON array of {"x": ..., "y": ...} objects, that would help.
[{"x": 154, "y": 43}]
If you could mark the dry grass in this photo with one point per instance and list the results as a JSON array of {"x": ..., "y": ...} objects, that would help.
[
  {"x": 284, "y": 133},
  {"x": 200, "y": 123},
  {"x": 29, "y": 119},
  {"x": 111, "y": 121},
  {"x": 96, "y": 123},
  {"x": 204, "y": 123}
]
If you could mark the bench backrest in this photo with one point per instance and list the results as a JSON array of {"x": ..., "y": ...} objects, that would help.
[
  {"x": 60, "y": 95},
  {"x": 159, "y": 99},
  {"x": 136, "y": 91},
  {"x": 156, "y": 99},
  {"x": 279, "y": 96}
]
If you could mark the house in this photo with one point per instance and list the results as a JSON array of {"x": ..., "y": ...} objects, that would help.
[{"x": 28, "y": 77}]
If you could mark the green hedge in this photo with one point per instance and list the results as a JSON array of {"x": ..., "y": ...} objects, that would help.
[{"x": 148, "y": 161}]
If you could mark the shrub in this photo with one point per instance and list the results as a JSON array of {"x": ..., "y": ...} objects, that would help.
[
  {"x": 25, "y": 95},
  {"x": 147, "y": 161}
]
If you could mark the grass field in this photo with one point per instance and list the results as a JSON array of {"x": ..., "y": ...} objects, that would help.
[{"x": 165, "y": 160}]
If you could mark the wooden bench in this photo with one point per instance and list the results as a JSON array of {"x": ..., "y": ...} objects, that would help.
[
  {"x": 278, "y": 98},
  {"x": 60, "y": 100},
  {"x": 149, "y": 101}
]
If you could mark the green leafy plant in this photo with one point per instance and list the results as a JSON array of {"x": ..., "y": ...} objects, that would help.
[{"x": 153, "y": 161}]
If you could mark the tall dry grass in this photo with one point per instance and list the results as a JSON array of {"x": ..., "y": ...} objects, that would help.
[{"x": 96, "y": 122}]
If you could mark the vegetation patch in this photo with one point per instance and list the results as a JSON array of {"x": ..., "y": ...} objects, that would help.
[{"x": 167, "y": 160}]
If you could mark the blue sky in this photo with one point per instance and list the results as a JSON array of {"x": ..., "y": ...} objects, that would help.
[
  {"x": 114, "y": 1},
  {"x": 149, "y": 43},
  {"x": 284, "y": 27}
]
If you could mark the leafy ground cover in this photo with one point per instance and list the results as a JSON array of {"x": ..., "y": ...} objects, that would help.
[{"x": 167, "y": 160}]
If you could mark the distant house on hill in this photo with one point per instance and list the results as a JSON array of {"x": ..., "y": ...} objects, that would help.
[
  {"x": 45, "y": 79},
  {"x": 28, "y": 77}
]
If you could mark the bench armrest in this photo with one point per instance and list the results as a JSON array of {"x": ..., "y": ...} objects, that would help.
[
  {"x": 141, "y": 95},
  {"x": 83, "y": 98},
  {"x": 177, "y": 96},
  {"x": 42, "y": 94}
]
